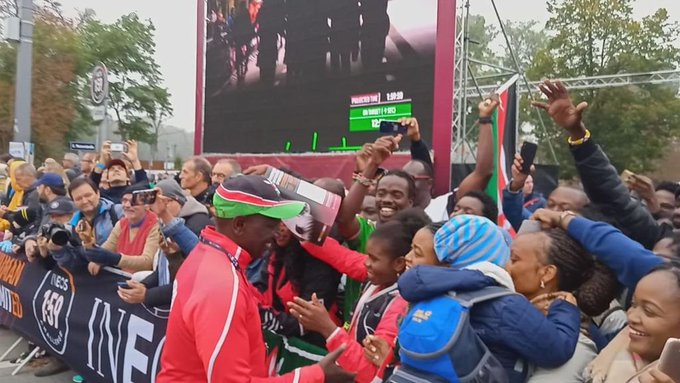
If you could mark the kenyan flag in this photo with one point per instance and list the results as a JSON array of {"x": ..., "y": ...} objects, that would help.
[{"x": 505, "y": 144}]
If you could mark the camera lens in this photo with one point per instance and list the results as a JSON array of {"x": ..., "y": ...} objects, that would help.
[{"x": 60, "y": 237}]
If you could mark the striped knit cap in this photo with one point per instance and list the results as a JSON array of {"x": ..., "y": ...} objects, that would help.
[{"x": 468, "y": 239}]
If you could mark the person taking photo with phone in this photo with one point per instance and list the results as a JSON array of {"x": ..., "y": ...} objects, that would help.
[
  {"x": 178, "y": 239},
  {"x": 118, "y": 177},
  {"x": 134, "y": 240}
]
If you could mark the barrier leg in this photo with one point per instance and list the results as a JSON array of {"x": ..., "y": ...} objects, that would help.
[
  {"x": 26, "y": 360},
  {"x": 11, "y": 348}
]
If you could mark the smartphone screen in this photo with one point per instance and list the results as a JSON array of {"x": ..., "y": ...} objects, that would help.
[
  {"x": 117, "y": 147},
  {"x": 144, "y": 197},
  {"x": 626, "y": 176},
  {"x": 392, "y": 127},
  {"x": 528, "y": 153},
  {"x": 123, "y": 285},
  {"x": 668, "y": 362}
]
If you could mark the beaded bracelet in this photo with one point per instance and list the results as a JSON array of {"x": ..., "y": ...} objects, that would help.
[{"x": 362, "y": 180}]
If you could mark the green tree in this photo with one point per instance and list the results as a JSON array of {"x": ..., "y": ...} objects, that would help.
[
  {"x": 55, "y": 107},
  {"x": 480, "y": 35},
  {"x": 634, "y": 124},
  {"x": 137, "y": 98},
  {"x": 8, "y": 8},
  {"x": 527, "y": 39}
]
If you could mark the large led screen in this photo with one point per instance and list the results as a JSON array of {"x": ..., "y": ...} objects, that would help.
[{"x": 314, "y": 75}]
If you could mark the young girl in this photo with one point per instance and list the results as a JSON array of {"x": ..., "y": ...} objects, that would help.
[{"x": 380, "y": 305}]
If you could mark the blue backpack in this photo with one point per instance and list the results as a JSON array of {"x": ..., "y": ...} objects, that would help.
[{"x": 438, "y": 344}]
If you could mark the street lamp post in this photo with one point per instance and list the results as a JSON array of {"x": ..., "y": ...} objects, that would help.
[
  {"x": 22, "y": 106},
  {"x": 19, "y": 30}
]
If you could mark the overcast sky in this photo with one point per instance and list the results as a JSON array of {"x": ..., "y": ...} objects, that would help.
[{"x": 175, "y": 23}]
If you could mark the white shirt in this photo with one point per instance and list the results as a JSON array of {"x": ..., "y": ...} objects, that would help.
[{"x": 436, "y": 210}]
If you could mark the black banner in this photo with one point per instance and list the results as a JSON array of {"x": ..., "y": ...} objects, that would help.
[{"x": 81, "y": 320}]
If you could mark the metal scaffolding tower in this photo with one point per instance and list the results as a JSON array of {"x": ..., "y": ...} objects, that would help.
[
  {"x": 466, "y": 86},
  {"x": 598, "y": 82}
]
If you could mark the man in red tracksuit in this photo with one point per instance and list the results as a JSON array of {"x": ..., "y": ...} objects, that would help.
[{"x": 214, "y": 332}]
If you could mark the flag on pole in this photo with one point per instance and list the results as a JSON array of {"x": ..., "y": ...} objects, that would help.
[{"x": 505, "y": 143}]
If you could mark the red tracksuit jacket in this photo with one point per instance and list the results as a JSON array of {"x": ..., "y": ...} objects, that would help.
[{"x": 214, "y": 332}]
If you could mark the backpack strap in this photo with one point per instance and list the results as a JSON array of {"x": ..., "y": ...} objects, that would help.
[
  {"x": 113, "y": 216},
  {"x": 471, "y": 298}
]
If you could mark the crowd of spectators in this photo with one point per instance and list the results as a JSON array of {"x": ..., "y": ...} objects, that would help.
[{"x": 592, "y": 289}]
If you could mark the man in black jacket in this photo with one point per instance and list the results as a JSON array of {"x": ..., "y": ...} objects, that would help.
[
  {"x": 195, "y": 178},
  {"x": 601, "y": 181},
  {"x": 118, "y": 176},
  {"x": 440, "y": 208}
]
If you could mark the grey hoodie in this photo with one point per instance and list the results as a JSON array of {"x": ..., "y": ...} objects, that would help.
[{"x": 195, "y": 215}]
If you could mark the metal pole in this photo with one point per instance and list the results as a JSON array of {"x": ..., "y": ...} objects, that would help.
[
  {"x": 11, "y": 348},
  {"x": 22, "y": 105},
  {"x": 99, "y": 128},
  {"x": 464, "y": 80},
  {"x": 459, "y": 26},
  {"x": 484, "y": 63},
  {"x": 26, "y": 360},
  {"x": 524, "y": 77},
  {"x": 461, "y": 84}
]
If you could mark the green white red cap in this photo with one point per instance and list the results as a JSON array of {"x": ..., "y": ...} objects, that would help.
[{"x": 249, "y": 195}]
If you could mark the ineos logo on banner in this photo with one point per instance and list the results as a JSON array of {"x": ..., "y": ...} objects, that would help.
[
  {"x": 52, "y": 306},
  {"x": 99, "y": 84}
]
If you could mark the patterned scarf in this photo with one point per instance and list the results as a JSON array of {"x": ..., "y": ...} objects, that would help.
[{"x": 615, "y": 364}]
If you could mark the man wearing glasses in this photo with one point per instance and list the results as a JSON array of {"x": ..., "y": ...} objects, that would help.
[{"x": 87, "y": 164}]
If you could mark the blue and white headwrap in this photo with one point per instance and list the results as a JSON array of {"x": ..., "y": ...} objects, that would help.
[{"x": 468, "y": 239}]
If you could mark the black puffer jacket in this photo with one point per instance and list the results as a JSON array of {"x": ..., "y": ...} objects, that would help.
[{"x": 605, "y": 189}]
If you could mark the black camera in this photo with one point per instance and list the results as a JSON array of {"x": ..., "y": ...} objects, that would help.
[{"x": 57, "y": 233}]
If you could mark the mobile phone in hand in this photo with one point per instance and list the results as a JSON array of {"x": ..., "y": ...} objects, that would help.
[
  {"x": 528, "y": 154},
  {"x": 627, "y": 176},
  {"x": 80, "y": 226},
  {"x": 144, "y": 197},
  {"x": 392, "y": 127},
  {"x": 123, "y": 285},
  {"x": 119, "y": 147},
  {"x": 670, "y": 356},
  {"x": 164, "y": 239}
]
